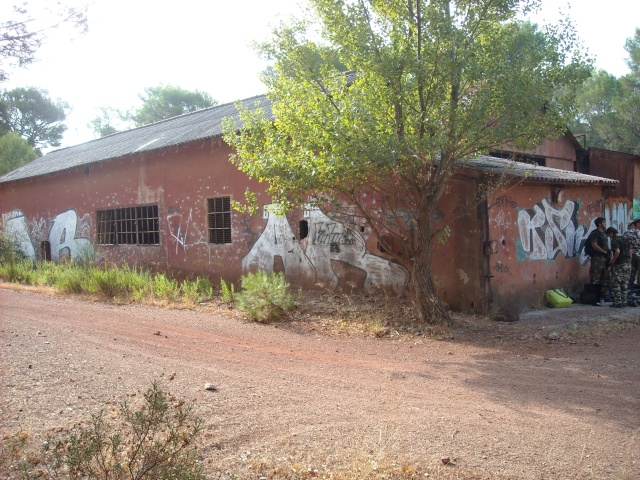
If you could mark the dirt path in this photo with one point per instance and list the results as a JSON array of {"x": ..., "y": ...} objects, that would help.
[{"x": 501, "y": 406}]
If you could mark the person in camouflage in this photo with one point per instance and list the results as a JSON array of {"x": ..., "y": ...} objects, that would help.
[
  {"x": 634, "y": 235},
  {"x": 621, "y": 262},
  {"x": 598, "y": 271}
]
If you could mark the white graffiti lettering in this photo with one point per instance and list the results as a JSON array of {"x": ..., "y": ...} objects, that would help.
[
  {"x": 179, "y": 231},
  {"x": 63, "y": 235},
  {"x": 546, "y": 231},
  {"x": 311, "y": 259}
]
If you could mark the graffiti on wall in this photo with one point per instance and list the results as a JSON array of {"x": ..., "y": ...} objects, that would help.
[
  {"x": 313, "y": 259},
  {"x": 15, "y": 227},
  {"x": 66, "y": 234},
  {"x": 184, "y": 233},
  {"x": 546, "y": 231},
  {"x": 617, "y": 215}
]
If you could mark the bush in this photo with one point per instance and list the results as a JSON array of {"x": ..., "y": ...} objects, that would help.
[
  {"x": 193, "y": 291},
  {"x": 9, "y": 248},
  {"x": 164, "y": 287},
  {"x": 154, "y": 442},
  {"x": 264, "y": 297},
  {"x": 71, "y": 279},
  {"x": 228, "y": 292},
  {"x": 116, "y": 282},
  {"x": 21, "y": 271}
]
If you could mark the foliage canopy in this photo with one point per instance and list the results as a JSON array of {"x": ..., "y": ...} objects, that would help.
[
  {"x": 159, "y": 103},
  {"x": 30, "y": 113},
  {"x": 388, "y": 99},
  {"x": 14, "y": 152},
  {"x": 609, "y": 107}
]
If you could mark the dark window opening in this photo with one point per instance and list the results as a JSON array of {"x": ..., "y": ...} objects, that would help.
[
  {"x": 45, "y": 250},
  {"x": 219, "y": 213},
  {"x": 304, "y": 229},
  {"x": 128, "y": 226}
]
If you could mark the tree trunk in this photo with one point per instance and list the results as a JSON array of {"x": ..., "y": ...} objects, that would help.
[{"x": 423, "y": 291}]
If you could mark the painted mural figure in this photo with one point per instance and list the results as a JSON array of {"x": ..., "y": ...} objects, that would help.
[
  {"x": 316, "y": 258},
  {"x": 62, "y": 236},
  {"x": 621, "y": 263}
]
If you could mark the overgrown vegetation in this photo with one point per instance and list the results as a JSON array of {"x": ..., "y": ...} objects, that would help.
[
  {"x": 264, "y": 296},
  {"x": 119, "y": 283},
  {"x": 154, "y": 441}
]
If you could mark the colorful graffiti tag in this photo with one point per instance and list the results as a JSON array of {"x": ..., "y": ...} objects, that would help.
[
  {"x": 311, "y": 259},
  {"x": 63, "y": 234},
  {"x": 546, "y": 232}
]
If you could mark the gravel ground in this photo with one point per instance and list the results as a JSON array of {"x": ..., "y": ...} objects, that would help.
[{"x": 550, "y": 396}]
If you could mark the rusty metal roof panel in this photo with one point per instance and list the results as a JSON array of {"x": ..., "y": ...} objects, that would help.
[
  {"x": 533, "y": 172},
  {"x": 199, "y": 125}
]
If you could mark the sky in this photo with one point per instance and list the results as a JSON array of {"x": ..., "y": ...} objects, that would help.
[{"x": 206, "y": 45}]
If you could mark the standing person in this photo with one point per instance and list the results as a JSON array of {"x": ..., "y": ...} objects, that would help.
[
  {"x": 599, "y": 244},
  {"x": 621, "y": 262},
  {"x": 634, "y": 236}
]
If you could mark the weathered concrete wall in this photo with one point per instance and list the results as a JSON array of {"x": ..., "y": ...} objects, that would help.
[
  {"x": 61, "y": 208},
  {"x": 540, "y": 241},
  {"x": 538, "y": 231}
]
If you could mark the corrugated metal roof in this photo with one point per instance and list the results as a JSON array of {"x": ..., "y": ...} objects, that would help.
[
  {"x": 206, "y": 123},
  {"x": 496, "y": 165}
]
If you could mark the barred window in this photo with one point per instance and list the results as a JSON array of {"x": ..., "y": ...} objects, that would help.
[
  {"x": 219, "y": 213},
  {"x": 128, "y": 226}
]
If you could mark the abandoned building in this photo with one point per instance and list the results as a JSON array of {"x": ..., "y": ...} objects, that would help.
[{"x": 161, "y": 196}]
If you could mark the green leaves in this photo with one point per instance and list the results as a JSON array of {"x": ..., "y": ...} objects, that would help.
[
  {"x": 168, "y": 101},
  {"x": 30, "y": 113},
  {"x": 377, "y": 104}
]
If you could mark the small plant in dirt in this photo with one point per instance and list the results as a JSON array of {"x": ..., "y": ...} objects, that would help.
[
  {"x": 155, "y": 441},
  {"x": 227, "y": 291},
  {"x": 194, "y": 291},
  {"x": 264, "y": 296}
]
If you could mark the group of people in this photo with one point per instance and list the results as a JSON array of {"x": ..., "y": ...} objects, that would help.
[{"x": 615, "y": 260}]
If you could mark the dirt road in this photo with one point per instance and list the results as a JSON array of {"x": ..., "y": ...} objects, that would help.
[{"x": 501, "y": 406}]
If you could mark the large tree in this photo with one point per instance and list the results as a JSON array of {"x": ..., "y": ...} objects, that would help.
[
  {"x": 609, "y": 107},
  {"x": 30, "y": 113},
  {"x": 105, "y": 122},
  {"x": 159, "y": 103},
  {"x": 389, "y": 98},
  {"x": 14, "y": 152},
  {"x": 22, "y": 35}
]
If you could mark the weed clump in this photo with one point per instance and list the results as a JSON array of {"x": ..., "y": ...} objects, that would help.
[
  {"x": 154, "y": 441},
  {"x": 264, "y": 296}
]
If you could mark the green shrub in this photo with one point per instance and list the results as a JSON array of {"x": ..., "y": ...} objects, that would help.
[
  {"x": 70, "y": 279},
  {"x": 117, "y": 282},
  {"x": 21, "y": 271},
  {"x": 193, "y": 291},
  {"x": 264, "y": 297},
  {"x": 9, "y": 248},
  {"x": 48, "y": 273},
  {"x": 164, "y": 287},
  {"x": 154, "y": 442},
  {"x": 228, "y": 292}
]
